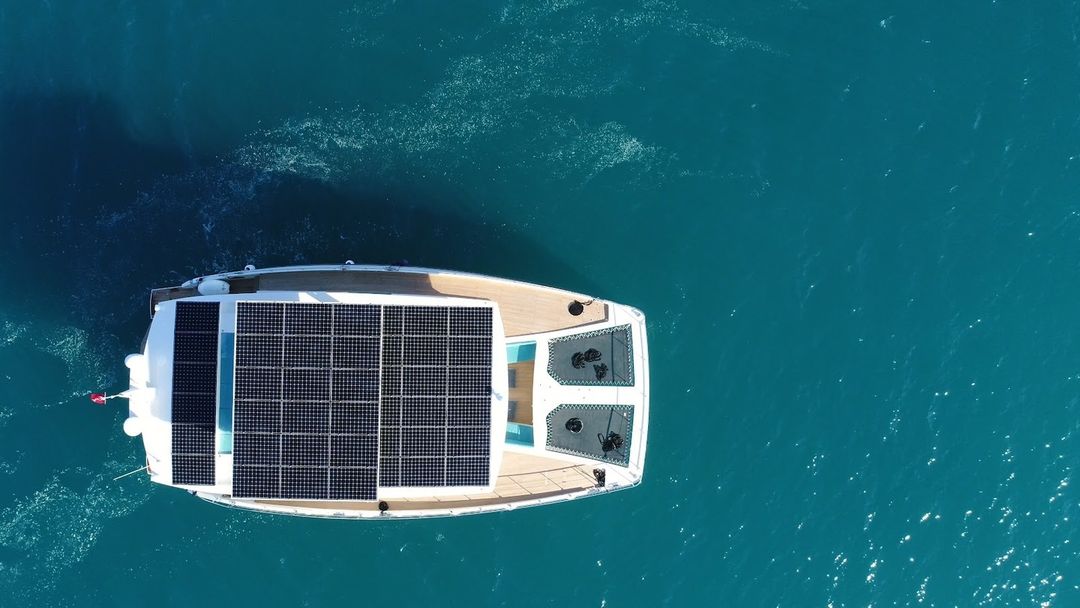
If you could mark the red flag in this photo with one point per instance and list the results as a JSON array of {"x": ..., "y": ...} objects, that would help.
[{"x": 98, "y": 398}]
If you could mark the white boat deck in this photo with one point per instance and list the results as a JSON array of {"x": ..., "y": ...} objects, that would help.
[
  {"x": 526, "y": 308},
  {"x": 523, "y": 477},
  {"x": 532, "y": 468}
]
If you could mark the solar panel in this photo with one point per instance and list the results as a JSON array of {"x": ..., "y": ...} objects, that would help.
[
  {"x": 194, "y": 392},
  {"x": 435, "y": 419},
  {"x": 333, "y": 400},
  {"x": 306, "y": 408}
]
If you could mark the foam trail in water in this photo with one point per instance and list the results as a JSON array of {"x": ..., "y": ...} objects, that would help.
[
  {"x": 645, "y": 18},
  {"x": 500, "y": 94},
  {"x": 585, "y": 153},
  {"x": 54, "y": 528},
  {"x": 71, "y": 345}
]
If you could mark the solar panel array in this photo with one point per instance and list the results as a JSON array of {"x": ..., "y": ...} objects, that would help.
[
  {"x": 333, "y": 400},
  {"x": 306, "y": 403},
  {"x": 194, "y": 392},
  {"x": 435, "y": 423}
]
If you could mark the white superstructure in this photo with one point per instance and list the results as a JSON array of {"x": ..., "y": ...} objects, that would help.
[{"x": 393, "y": 431}]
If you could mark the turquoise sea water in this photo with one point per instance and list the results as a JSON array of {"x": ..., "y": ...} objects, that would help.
[{"x": 853, "y": 225}]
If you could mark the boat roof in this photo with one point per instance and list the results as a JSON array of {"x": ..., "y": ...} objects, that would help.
[
  {"x": 233, "y": 409},
  {"x": 313, "y": 395}
]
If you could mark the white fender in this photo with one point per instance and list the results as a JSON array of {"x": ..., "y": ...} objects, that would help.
[
  {"x": 133, "y": 427},
  {"x": 213, "y": 287}
]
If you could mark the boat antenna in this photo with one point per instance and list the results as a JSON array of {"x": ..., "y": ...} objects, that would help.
[{"x": 142, "y": 468}]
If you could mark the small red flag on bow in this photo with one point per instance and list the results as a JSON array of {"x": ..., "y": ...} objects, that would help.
[{"x": 98, "y": 398}]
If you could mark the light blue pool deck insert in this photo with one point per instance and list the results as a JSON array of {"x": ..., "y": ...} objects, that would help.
[
  {"x": 226, "y": 365},
  {"x": 521, "y": 434},
  {"x": 522, "y": 351}
]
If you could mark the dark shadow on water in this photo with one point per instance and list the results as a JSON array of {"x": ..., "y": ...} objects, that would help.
[
  {"x": 65, "y": 161},
  {"x": 94, "y": 218}
]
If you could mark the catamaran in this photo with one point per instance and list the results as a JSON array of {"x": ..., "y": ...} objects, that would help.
[{"x": 359, "y": 391}]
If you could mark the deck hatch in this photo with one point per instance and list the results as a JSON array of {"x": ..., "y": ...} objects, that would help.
[
  {"x": 194, "y": 392},
  {"x": 604, "y": 357},
  {"x": 600, "y": 432}
]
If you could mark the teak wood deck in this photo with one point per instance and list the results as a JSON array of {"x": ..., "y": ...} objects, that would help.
[
  {"x": 522, "y": 477},
  {"x": 526, "y": 308}
]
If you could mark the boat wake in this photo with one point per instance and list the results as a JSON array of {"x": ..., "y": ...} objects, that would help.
[
  {"x": 551, "y": 60},
  {"x": 55, "y": 527}
]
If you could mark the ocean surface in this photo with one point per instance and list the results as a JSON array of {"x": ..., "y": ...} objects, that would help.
[{"x": 854, "y": 227}]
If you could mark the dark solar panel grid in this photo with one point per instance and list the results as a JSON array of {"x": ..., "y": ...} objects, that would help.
[
  {"x": 194, "y": 392},
  {"x": 333, "y": 400},
  {"x": 306, "y": 409},
  {"x": 435, "y": 419}
]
